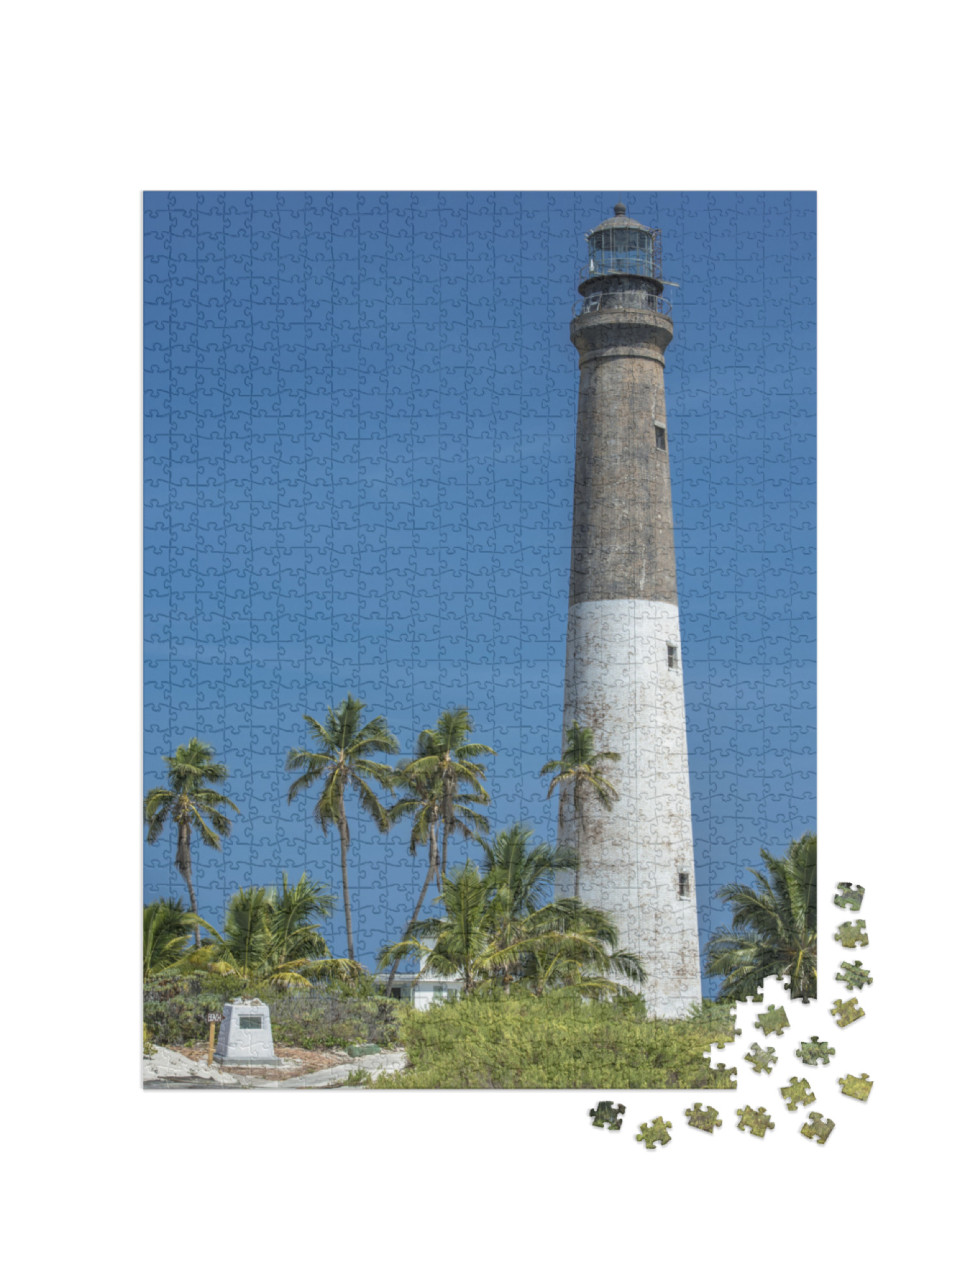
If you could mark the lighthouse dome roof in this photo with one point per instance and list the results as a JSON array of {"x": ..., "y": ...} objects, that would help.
[{"x": 620, "y": 219}]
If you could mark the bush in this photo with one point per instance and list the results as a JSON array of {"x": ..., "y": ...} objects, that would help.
[
  {"x": 556, "y": 1041},
  {"x": 322, "y": 1021},
  {"x": 175, "y": 1009}
]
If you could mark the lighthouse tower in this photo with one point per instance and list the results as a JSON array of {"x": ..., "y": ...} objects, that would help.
[{"x": 624, "y": 667}]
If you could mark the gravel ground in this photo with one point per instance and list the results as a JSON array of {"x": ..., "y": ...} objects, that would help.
[
  {"x": 300, "y": 1070},
  {"x": 167, "y": 1064}
]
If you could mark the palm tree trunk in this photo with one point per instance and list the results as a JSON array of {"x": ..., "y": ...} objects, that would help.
[
  {"x": 344, "y": 846},
  {"x": 431, "y": 872},
  {"x": 185, "y": 867}
]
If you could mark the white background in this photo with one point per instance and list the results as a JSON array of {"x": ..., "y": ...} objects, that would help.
[{"x": 104, "y": 100}]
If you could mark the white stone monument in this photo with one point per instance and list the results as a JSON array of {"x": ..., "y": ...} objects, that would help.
[{"x": 245, "y": 1038}]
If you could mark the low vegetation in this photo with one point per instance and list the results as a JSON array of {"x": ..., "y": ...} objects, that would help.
[
  {"x": 557, "y": 1041},
  {"x": 175, "y": 1009}
]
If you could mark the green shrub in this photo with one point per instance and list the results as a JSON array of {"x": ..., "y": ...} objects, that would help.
[
  {"x": 557, "y": 1041},
  {"x": 175, "y": 1009}
]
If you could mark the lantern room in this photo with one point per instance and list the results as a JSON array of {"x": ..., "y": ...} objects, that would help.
[{"x": 622, "y": 246}]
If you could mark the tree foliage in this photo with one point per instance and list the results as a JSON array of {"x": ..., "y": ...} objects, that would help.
[
  {"x": 270, "y": 934},
  {"x": 167, "y": 927},
  {"x": 774, "y": 926},
  {"x": 343, "y": 764},
  {"x": 499, "y": 928},
  {"x": 191, "y": 804}
]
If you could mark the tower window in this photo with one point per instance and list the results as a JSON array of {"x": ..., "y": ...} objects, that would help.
[
  {"x": 684, "y": 885},
  {"x": 661, "y": 437},
  {"x": 592, "y": 303},
  {"x": 671, "y": 655}
]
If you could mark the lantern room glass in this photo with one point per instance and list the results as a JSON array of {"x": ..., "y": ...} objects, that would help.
[{"x": 621, "y": 251}]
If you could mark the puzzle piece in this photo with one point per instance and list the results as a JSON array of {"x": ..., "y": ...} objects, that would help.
[
  {"x": 762, "y": 1059},
  {"x": 854, "y": 975},
  {"x": 813, "y": 1050},
  {"x": 758, "y": 1122},
  {"x": 797, "y": 1093},
  {"x": 773, "y": 1022},
  {"x": 850, "y": 895},
  {"x": 817, "y": 1127},
  {"x": 703, "y": 1119},
  {"x": 847, "y": 1011},
  {"x": 856, "y": 1088},
  {"x": 606, "y": 1113},
  {"x": 852, "y": 935},
  {"x": 654, "y": 1132}
]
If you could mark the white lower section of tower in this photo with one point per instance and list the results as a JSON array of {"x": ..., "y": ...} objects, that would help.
[{"x": 620, "y": 683}]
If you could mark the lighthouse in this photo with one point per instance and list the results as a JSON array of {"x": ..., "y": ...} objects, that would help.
[{"x": 624, "y": 660}]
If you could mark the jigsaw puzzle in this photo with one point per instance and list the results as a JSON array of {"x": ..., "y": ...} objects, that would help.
[
  {"x": 773, "y": 1022},
  {"x": 797, "y": 1093},
  {"x": 762, "y": 1059},
  {"x": 417, "y": 546},
  {"x": 813, "y": 1051},
  {"x": 655, "y": 1132},
  {"x": 854, "y": 975},
  {"x": 817, "y": 1127},
  {"x": 852, "y": 935},
  {"x": 757, "y": 1121},
  {"x": 856, "y": 1087},
  {"x": 850, "y": 895},
  {"x": 847, "y": 1011},
  {"x": 705, "y": 1119},
  {"x": 606, "y": 1113}
]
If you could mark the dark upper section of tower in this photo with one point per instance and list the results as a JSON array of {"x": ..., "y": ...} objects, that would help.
[{"x": 623, "y": 269}]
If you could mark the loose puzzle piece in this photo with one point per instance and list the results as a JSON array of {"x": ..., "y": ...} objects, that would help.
[
  {"x": 850, "y": 895},
  {"x": 773, "y": 1022},
  {"x": 758, "y": 1122},
  {"x": 856, "y": 1088},
  {"x": 847, "y": 1011},
  {"x": 813, "y": 1050},
  {"x": 762, "y": 1059},
  {"x": 606, "y": 1113},
  {"x": 797, "y": 1093},
  {"x": 817, "y": 1127},
  {"x": 854, "y": 975},
  {"x": 655, "y": 1132},
  {"x": 703, "y": 1119},
  {"x": 852, "y": 935}
]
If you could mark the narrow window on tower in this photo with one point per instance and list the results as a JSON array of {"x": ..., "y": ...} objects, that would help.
[
  {"x": 684, "y": 887},
  {"x": 661, "y": 437},
  {"x": 671, "y": 655}
]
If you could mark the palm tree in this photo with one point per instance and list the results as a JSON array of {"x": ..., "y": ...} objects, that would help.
[
  {"x": 423, "y": 803},
  {"x": 191, "y": 804},
  {"x": 579, "y": 772},
  {"x": 341, "y": 763},
  {"x": 774, "y": 927},
  {"x": 459, "y": 944},
  {"x": 485, "y": 939},
  {"x": 166, "y": 931},
  {"x": 523, "y": 877},
  {"x": 582, "y": 952},
  {"x": 445, "y": 756},
  {"x": 271, "y": 934}
]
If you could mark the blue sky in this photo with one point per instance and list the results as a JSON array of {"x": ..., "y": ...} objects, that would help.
[{"x": 360, "y": 413}]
